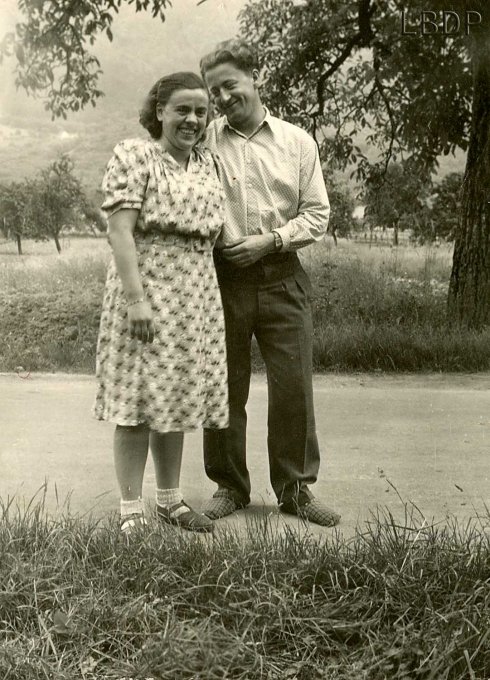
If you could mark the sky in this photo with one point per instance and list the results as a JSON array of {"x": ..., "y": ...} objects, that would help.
[{"x": 143, "y": 50}]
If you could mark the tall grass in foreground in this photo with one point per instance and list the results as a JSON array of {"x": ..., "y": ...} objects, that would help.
[{"x": 405, "y": 600}]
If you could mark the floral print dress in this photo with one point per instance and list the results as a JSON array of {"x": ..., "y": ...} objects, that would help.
[{"x": 178, "y": 382}]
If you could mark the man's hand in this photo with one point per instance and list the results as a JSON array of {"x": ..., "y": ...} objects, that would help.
[{"x": 248, "y": 250}]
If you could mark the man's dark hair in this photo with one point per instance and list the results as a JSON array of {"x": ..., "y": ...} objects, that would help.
[{"x": 234, "y": 51}]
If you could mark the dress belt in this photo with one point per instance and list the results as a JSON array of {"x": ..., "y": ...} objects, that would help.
[{"x": 162, "y": 239}]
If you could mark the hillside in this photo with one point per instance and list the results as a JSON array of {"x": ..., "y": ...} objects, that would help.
[{"x": 143, "y": 50}]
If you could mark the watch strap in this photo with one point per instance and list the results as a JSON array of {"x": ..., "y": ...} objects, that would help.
[{"x": 277, "y": 241}]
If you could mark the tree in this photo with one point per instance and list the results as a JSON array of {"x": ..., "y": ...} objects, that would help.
[
  {"x": 58, "y": 197},
  {"x": 15, "y": 211},
  {"x": 446, "y": 207},
  {"x": 469, "y": 287},
  {"x": 396, "y": 198},
  {"x": 342, "y": 204},
  {"x": 52, "y": 48},
  {"x": 346, "y": 69}
]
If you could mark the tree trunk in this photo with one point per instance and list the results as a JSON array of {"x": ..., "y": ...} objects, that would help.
[
  {"x": 469, "y": 287},
  {"x": 19, "y": 243},
  {"x": 395, "y": 233},
  {"x": 57, "y": 241}
]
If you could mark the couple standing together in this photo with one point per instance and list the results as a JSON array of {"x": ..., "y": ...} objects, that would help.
[{"x": 204, "y": 234}]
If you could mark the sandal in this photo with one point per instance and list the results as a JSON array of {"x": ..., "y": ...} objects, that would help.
[
  {"x": 132, "y": 524},
  {"x": 183, "y": 516}
]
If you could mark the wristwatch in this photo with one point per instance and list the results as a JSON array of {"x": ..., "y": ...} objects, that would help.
[{"x": 277, "y": 241}]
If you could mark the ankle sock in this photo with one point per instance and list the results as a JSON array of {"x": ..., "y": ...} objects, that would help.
[
  {"x": 167, "y": 497},
  {"x": 131, "y": 507}
]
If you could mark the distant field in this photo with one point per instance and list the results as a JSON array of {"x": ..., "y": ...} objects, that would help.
[
  {"x": 42, "y": 254},
  {"x": 420, "y": 263},
  {"x": 375, "y": 308}
]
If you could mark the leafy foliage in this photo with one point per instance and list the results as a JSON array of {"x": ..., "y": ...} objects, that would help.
[
  {"x": 447, "y": 206},
  {"x": 342, "y": 68},
  {"x": 58, "y": 195},
  {"x": 397, "y": 198},
  {"x": 16, "y": 211},
  {"x": 342, "y": 204},
  {"x": 443, "y": 217},
  {"x": 339, "y": 68},
  {"x": 52, "y": 47}
]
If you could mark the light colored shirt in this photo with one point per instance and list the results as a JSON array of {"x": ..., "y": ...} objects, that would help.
[{"x": 272, "y": 180}]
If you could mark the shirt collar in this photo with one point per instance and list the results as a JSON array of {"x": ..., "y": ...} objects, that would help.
[{"x": 267, "y": 120}]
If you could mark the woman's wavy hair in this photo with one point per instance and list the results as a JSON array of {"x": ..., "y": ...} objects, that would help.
[{"x": 161, "y": 92}]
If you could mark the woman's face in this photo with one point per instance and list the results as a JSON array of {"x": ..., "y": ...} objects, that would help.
[{"x": 183, "y": 119}]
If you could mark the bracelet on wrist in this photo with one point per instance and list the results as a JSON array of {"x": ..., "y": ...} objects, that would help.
[{"x": 136, "y": 302}]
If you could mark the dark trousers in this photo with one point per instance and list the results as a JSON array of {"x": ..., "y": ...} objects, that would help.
[{"x": 270, "y": 300}]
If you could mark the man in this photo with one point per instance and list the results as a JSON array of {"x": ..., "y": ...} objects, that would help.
[{"x": 276, "y": 203}]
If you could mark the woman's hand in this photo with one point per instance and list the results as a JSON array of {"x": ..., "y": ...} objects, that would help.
[{"x": 141, "y": 324}]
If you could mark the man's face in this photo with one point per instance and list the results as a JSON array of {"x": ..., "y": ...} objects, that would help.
[{"x": 234, "y": 92}]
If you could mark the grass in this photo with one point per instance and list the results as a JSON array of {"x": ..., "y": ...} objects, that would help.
[
  {"x": 50, "y": 305},
  {"x": 375, "y": 308},
  {"x": 384, "y": 308},
  {"x": 402, "y": 599}
]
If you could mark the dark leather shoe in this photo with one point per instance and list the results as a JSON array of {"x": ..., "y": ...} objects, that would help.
[{"x": 181, "y": 515}]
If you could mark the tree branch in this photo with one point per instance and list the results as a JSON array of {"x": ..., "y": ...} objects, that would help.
[
  {"x": 67, "y": 13},
  {"x": 382, "y": 92},
  {"x": 362, "y": 38}
]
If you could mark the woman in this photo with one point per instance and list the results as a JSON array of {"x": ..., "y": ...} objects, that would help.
[{"x": 161, "y": 359}]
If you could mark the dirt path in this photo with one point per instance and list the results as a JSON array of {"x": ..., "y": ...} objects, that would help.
[{"x": 428, "y": 436}]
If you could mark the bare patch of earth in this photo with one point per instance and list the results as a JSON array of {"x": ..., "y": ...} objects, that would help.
[{"x": 390, "y": 443}]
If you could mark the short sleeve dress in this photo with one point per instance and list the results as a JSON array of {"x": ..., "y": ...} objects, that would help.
[{"x": 178, "y": 382}]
